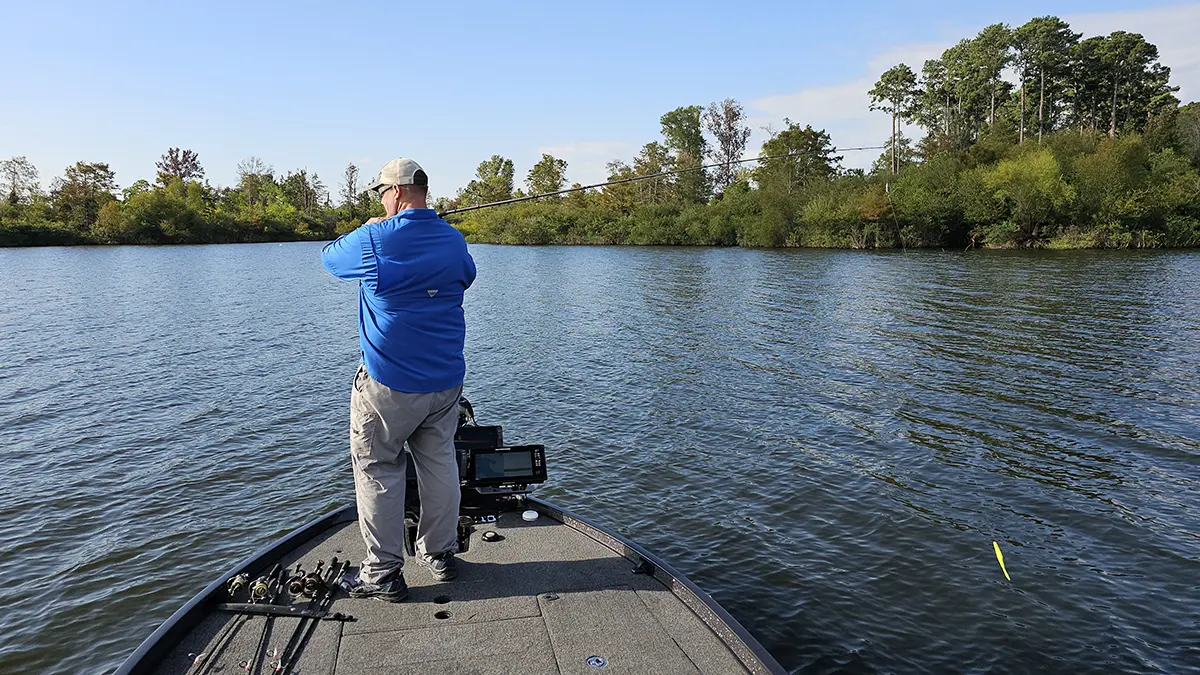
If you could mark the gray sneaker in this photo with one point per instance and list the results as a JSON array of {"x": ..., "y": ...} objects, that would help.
[
  {"x": 443, "y": 566},
  {"x": 391, "y": 589}
]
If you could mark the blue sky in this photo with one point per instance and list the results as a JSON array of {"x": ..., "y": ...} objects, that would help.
[{"x": 318, "y": 84}]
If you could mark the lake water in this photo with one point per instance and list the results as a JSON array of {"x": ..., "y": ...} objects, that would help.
[{"x": 827, "y": 442}]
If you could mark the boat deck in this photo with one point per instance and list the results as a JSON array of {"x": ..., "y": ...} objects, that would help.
[{"x": 545, "y": 598}]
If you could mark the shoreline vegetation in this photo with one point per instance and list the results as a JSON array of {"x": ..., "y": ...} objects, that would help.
[{"x": 1033, "y": 137}]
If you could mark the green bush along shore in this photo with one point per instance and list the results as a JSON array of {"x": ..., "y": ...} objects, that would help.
[{"x": 1030, "y": 137}]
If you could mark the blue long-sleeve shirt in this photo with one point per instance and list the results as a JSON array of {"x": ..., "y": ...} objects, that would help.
[{"x": 412, "y": 269}]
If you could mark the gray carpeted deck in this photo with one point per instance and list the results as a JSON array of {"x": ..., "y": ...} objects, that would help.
[{"x": 544, "y": 599}]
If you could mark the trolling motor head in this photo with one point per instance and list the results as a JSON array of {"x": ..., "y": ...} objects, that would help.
[{"x": 466, "y": 412}]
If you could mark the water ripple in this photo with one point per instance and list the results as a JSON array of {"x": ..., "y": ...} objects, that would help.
[{"x": 826, "y": 441}]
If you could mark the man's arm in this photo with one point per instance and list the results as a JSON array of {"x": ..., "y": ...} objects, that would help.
[
  {"x": 351, "y": 256},
  {"x": 470, "y": 265}
]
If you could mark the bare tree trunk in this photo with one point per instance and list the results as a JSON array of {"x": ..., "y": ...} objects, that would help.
[
  {"x": 992, "y": 114},
  {"x": 1112, "y": 126},
  {"x": 894, "y": 144},
  {"x": 1022, "y": 108},
  {"x": 1129, "y": 101},
  {"x": 1041, "y": 105}
]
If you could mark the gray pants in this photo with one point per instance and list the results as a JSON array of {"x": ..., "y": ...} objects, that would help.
[{"x": 381, "y": 420}]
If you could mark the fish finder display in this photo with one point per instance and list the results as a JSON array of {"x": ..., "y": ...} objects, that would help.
[
  {"x": 498, "y": 466},
  {"x": 504, "y": 465}
]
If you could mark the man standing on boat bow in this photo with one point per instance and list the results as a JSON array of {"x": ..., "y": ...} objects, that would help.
[{"x": 412, "y": 268}]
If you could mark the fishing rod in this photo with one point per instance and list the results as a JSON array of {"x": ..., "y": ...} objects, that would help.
[
  {"x": 202, "y": 661},
  {"x": 312, "y": 584},
  {"x": 295, "y": 584},
  {"x": 237, "y": 583},
  {"x": 256, "y": 592},
  {"x": 660, "y": 174},
  {"x": 264, "y": 590},
  {"x": 286, "y": 661}
]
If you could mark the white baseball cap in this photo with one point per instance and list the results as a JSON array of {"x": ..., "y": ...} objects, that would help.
[{"x": 399, "y": 171}]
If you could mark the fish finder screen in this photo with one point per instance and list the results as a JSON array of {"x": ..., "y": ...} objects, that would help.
[{"x": 503, "y": 465}]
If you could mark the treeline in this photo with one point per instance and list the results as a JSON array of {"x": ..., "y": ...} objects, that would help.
[
  {"x": 1073, "y": 191},
  {"x": 1030, "y": 137},
  {"x": 85, "y": 207}
]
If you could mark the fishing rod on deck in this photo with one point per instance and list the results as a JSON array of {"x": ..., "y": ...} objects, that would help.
[{"x": 632, "y": 179}]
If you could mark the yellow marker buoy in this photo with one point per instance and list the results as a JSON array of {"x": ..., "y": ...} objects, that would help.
[{"x": 1000, "y": 557}]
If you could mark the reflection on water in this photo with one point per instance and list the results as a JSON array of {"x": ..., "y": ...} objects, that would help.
[{"x": 826, "y": 441}]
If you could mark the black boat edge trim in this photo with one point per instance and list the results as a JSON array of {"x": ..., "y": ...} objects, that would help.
[
  {"x": 154, "y": 649},
  {"x": 727, "y": 628}
]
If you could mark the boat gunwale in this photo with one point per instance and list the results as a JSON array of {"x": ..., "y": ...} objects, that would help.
[{"x": 155, "y": 648}]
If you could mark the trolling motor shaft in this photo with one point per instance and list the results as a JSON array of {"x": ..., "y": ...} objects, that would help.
[
  {"x": 465, "y": 527},
  {"x": 247, "y": 609}
]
